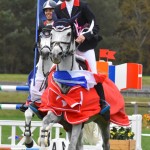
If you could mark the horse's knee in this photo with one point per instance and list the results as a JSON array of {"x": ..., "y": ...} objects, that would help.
[
  {"x": 28, "y": 113},
  {"x": 45, "y": 120}
]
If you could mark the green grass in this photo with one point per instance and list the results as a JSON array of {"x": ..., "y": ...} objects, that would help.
[
  {"x": 146, "y": 139},
  {"x": 13, "y": 97},
  {"x": 20, "y": 97},
  {"x": 146, "y": 80},
  {"x": 13, "y": 77},
  {"x": 23, "y": 78}
]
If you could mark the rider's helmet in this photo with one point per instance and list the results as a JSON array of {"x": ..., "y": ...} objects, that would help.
[{"x": 49, "y": 4}]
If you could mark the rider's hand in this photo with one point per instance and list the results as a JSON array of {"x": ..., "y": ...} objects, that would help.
[{"x": 80, "y": 39}]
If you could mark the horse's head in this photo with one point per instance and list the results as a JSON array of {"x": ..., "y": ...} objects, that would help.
[
  {"x": 62, "y": 41},
  {"x": 44, "y": 43}
]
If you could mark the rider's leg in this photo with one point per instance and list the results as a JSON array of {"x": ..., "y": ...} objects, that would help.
[
  {"x": 90, "y": 57},
  {"x": 105, "y": 107},
  {"x": 35, "y": 88}
]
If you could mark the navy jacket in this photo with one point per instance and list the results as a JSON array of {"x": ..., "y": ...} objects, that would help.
[{"x": 85, "y": 17}]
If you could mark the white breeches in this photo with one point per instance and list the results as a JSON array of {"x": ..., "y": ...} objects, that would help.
[
  {"x": 90, "y": 57},
  {"x": 39, "y": 78}
]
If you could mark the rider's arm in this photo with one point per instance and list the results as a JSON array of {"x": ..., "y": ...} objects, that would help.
[{"x": 88, "y": 14}]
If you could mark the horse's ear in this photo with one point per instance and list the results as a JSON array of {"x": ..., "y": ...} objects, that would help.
[{"x": 74, "y": 31}]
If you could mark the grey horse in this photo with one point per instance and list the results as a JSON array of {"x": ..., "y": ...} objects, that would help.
[
  {"x": 43, "y": 66},
  {"x": 62, "y": 53}
]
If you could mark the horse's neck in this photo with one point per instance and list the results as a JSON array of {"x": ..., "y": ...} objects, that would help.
[
  {"x": 68, "y": 63},
  {"x": 44, "y": 66}
]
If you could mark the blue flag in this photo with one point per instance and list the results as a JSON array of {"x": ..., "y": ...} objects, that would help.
[{"x": 39, "y": 17}]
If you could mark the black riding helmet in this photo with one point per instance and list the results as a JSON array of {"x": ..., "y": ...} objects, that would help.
[{"x": 49, "y": 4}]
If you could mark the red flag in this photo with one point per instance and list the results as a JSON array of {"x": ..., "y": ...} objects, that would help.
[
  {"x": 103, "y": 53},
  {"x": 110, "y": 55},
  {"x": 106, "y": 53}
]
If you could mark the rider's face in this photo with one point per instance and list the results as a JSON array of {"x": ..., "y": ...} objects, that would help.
[{"x": 48, "y": 13}]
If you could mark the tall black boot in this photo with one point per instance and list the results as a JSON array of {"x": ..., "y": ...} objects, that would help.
[{"x": 105, "y": 107}]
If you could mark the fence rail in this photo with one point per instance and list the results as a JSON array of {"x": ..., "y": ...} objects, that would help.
[
  {"x": 134, "y": 119},
  {"x": 136, "y": 93},
  {"x": 13, "y": 88}
]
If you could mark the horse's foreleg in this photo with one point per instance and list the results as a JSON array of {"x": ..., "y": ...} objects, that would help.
[
  {"x": 27, "y": 133},
  {"x": 43, "y": 142},
  {"x": 46, "y": 126},
  {"x": 76, "y": 131}
]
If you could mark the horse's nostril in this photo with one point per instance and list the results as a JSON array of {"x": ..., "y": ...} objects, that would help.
[{"x": 60, "y": 54}]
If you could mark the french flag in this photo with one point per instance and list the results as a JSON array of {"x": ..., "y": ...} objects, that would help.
[{"x": 125, "y": 76}]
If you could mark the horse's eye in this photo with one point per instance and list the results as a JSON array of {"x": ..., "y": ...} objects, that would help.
[{"x": 69, "y": 33}]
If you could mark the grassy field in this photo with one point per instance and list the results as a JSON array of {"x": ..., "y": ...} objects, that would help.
[
  {"x": 20, "y": 97},
  {"x": 13, "y": 77}
]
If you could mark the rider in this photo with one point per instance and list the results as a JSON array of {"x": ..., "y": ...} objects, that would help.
[
  {"x": 48, "y": 9},
  {"x": 46, "y": 25},
  {"x": 88, "y": 41}
]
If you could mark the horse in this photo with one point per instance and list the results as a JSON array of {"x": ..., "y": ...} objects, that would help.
[
  {"x": 36, "y": 89},
  {"x": 62, "y": 53}
]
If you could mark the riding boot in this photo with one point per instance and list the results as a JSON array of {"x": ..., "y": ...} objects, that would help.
[
  {"x": 105, "y": 107},
  {"x": 34, "y": 108},
  {"x": 23, "y": 107}
]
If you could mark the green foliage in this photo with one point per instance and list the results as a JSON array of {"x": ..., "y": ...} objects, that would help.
[
  {"x": 17, "y": 35},
  {"x": 107, "y": 16},
  {"x": 134, "y": 31}
]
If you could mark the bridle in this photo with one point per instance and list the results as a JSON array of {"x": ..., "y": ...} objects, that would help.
[
  {"x": 64, "y": 52},
  {"x": 40, "y": 49}
]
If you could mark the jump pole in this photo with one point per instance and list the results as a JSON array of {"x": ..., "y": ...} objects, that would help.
[
  {"x": 19, "y": 148},
  {"x": 12, "y": 88},
  {"x": 10, "y": 106}
]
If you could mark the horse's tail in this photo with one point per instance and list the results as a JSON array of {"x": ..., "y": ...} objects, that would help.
[{"x": 91, "y": 134}]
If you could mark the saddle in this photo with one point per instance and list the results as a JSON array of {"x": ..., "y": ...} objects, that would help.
[{"x": 83, "y": 64}]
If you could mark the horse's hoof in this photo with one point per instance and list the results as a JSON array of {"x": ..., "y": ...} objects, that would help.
[{"x": 29, "y": 145}]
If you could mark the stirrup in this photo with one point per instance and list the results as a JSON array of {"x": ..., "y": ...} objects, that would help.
[{"x": 106, "y": 108}]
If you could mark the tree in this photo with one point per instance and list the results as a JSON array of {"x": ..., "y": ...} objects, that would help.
[
  {"x": 134, "y": 30},
  {"x": 107, "y": 15},
  {"x": 17, "y": 34}
]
